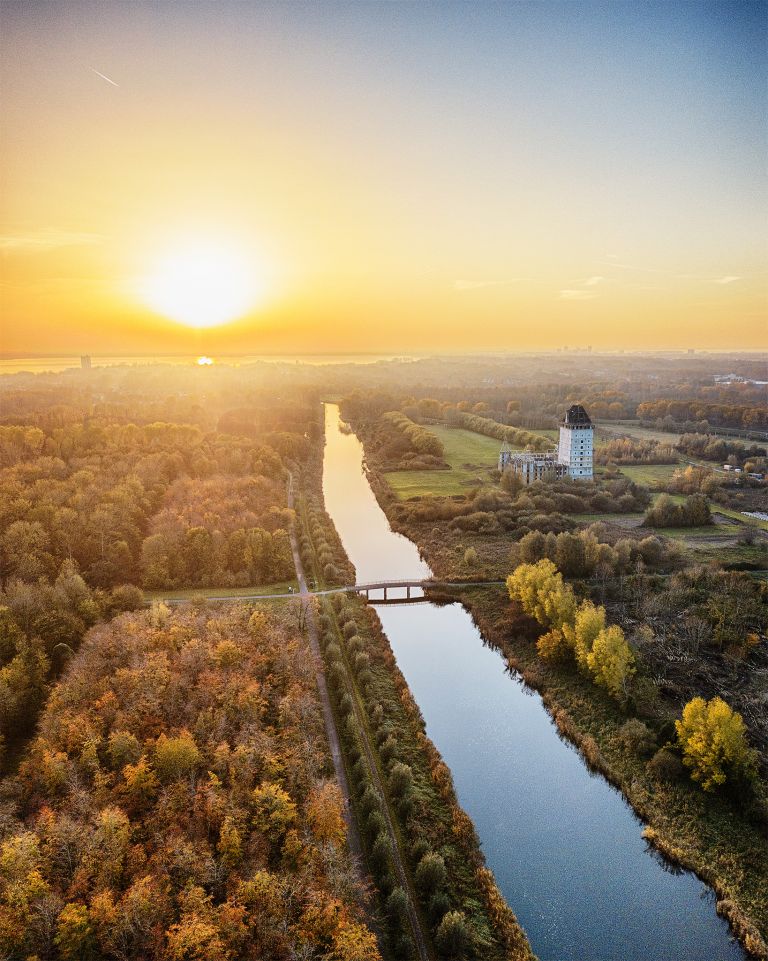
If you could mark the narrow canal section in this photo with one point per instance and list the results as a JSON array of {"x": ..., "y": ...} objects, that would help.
[{"x": 565, "y": 847}]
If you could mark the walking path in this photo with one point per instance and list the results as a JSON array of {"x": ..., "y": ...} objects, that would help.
[{"x": 353, "y": 836}]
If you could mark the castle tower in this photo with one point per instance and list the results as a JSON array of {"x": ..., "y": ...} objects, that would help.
[{"x": 576, "y": 442}]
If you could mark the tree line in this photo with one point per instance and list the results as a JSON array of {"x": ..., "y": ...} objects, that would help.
[{"x": 715, "y": 415}]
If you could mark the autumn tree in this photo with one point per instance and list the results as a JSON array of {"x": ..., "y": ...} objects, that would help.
[
  {"x": 540, "y": 590},
  {"x": 611, "y": 661},
  {"x": 714, "y": 743},
  {"x": 273, "y": 810}
]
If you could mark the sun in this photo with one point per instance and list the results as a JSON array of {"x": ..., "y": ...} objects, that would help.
[{"x": 201, "y": 283}]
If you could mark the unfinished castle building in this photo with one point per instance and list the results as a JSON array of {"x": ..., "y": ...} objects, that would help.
[{"x": 571, "y": 458}]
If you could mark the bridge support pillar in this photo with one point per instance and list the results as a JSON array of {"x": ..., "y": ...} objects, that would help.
[
  {"x": 408, "y": 591},
  {"x": 385, "y": 593}
]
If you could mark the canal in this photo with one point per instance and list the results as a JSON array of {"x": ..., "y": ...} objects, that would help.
[{"x": 565, "y": 847}]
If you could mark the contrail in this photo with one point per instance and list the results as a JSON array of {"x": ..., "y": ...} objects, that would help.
[{"x": 104, "y": 78}]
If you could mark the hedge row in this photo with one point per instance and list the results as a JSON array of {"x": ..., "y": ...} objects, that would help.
[
  {"x": 514, "y": 436},
  {"x": 421, "y": 440}
]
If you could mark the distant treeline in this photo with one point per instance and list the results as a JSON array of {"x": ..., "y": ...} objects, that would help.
[
  {"x": 718, "y": 450},
  {"x": 716, "y": 415}
]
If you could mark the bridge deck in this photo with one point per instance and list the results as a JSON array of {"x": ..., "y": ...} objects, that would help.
[{"x": 425, "y": 584}]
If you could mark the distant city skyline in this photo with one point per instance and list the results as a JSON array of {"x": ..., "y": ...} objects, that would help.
[{"x": 219, "y": 178}]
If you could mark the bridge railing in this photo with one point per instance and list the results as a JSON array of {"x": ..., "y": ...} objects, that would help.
[{"x": 368, "y": 586}]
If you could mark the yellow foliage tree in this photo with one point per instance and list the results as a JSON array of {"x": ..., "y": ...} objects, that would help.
[
  {"x": 611, "y": 660},
  {"x": 540, "y": 590},
  {"x": 74, "y": 934},
  {"x": 273, "y": 810},
  {"x": 230, "y": 845},
  {"x": 324, "y": 813},
  {"x": 587, "y": 624},
  {"x": 176, "y": 757},
  {"x": 354, "y": 942},
  {"x": 713, "y": 738}
]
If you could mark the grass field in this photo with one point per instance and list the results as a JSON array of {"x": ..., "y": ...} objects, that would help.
[
  {"x": 622, "y": 520},
  {"x": 650, "y": 474},
  {"x": 710, "y": 532},
  {"x": 186, "y": 594},
  {"x": 471, "y": 456}
]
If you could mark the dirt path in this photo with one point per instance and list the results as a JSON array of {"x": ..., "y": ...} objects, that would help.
[{"x": 353, "y": 836}]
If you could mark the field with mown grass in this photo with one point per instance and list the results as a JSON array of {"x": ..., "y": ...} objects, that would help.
[
  {"x": 650, "y": 475},
  {"x": 471, "y": 457}
]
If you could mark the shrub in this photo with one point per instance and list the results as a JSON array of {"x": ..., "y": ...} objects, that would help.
[
  {"x": 635, "y": 736},
  {"x": 553, "y": 646},
  {"x": 665, "y": 765}
]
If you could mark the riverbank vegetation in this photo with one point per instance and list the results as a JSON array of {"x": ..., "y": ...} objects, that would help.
[
  {"x": 398, "y": 777},
  {"x": 176, "y": 801}
]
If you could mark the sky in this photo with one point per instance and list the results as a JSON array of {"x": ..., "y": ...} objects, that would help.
[{"x": 383, "y": 176}]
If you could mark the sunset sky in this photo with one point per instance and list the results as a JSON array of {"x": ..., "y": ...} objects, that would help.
[{"x": 382, "y": 177}]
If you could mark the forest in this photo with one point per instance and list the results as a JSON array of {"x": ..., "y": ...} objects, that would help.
[{"x": 175, "y": 801}]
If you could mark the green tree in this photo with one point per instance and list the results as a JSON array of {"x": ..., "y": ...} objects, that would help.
[
  {"x": 454, "y": 937},
  {"x": 430, "y": 872}
]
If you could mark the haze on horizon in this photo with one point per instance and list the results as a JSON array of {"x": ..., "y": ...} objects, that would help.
[{"x": 396, "y": 177}]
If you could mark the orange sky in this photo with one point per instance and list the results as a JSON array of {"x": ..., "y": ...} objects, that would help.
[{"x": 396, "y": 177}]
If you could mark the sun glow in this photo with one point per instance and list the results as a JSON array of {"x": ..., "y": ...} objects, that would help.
[{"x": 201, "y": 284}]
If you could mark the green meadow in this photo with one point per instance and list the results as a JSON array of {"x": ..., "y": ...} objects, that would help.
[{"x": 471, "y": 457}]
